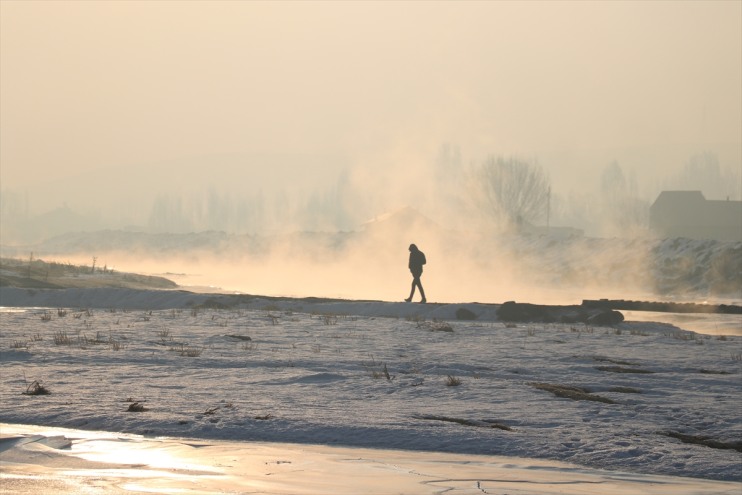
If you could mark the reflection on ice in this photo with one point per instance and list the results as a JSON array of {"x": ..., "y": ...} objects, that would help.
[
  {"x": 136, "y": 453},
  {"x": 100, "y": 463},
  {"x": 707, "y": 324}
]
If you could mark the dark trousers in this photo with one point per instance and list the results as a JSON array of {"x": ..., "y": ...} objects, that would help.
[{"x": 416, "y": 283}]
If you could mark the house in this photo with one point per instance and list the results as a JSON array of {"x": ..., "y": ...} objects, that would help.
[{"x": 689, "y": 214}]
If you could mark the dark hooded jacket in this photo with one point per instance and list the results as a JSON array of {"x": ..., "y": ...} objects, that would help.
[{"x": 417, "y": 260}]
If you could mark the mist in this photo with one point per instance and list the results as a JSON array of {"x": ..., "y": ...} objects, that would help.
[{"x": 266, "y": 122}]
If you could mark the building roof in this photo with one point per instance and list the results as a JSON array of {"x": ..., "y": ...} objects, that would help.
[{"x": 679, "y": 196}]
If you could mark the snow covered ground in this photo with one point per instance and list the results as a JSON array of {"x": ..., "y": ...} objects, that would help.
[{"x": 376, "y": 375}]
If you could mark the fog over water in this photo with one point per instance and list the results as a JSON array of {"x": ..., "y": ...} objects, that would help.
[{"x": 263, "y": 119}]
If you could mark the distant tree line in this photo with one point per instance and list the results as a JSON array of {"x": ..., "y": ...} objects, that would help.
[
  {"x": 504, "y": 191},
  {"x": 319, "y": 210}
]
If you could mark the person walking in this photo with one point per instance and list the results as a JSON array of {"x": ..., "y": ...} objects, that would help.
[{"x": 417, "y": 260}]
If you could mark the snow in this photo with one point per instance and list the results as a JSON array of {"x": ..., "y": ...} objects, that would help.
[{"x": 371, "y": 374}]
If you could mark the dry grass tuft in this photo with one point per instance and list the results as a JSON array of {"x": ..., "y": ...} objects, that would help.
[
  {"x": 383, "y": 373},
  {"x": 136, "y": 407},
  {"x": 436, "y": 326},
  {"x": 165, "y": 335},
  {"x": 36, "y": 388},
  {"x": 486, "y": 423},
  {"x": 625, "y": 390},
  {"x": 569, "y": 392},
  {"x": 452, "y": 381},
  {"x": 329, "y": 319},
  {"x": 601, "y": 359},
  {"x": 185, "y": 351},
  {"x": 703, "y": 440}
]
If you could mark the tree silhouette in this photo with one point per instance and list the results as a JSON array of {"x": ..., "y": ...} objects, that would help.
[
  {"x": 704, "y": 172},
  {"x": 512, "y": 191}
]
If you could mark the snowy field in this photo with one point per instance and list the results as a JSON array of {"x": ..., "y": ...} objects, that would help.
[{"x": 641, "y": 397}]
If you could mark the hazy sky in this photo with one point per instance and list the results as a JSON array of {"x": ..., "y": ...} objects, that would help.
[{"x": 94, "y": 85}]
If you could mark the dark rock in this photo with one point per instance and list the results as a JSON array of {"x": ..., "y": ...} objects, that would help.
[
  {"x": 465, "y": 314},
  {"x": 609, "y": 318},
  {"x": 573, "y": 316},
  {"x": 512, "y": 311}
]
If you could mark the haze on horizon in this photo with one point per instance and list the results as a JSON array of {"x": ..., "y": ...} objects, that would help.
[{"x": 264, "y": 117}]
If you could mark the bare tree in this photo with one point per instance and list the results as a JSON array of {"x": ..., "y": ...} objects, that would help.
[
  {"x": 623, "y": 211},
  {"x": 512, "y": 191},
  {"x": 613, "y": 181},
  {"x": 704, "y": 172}
]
